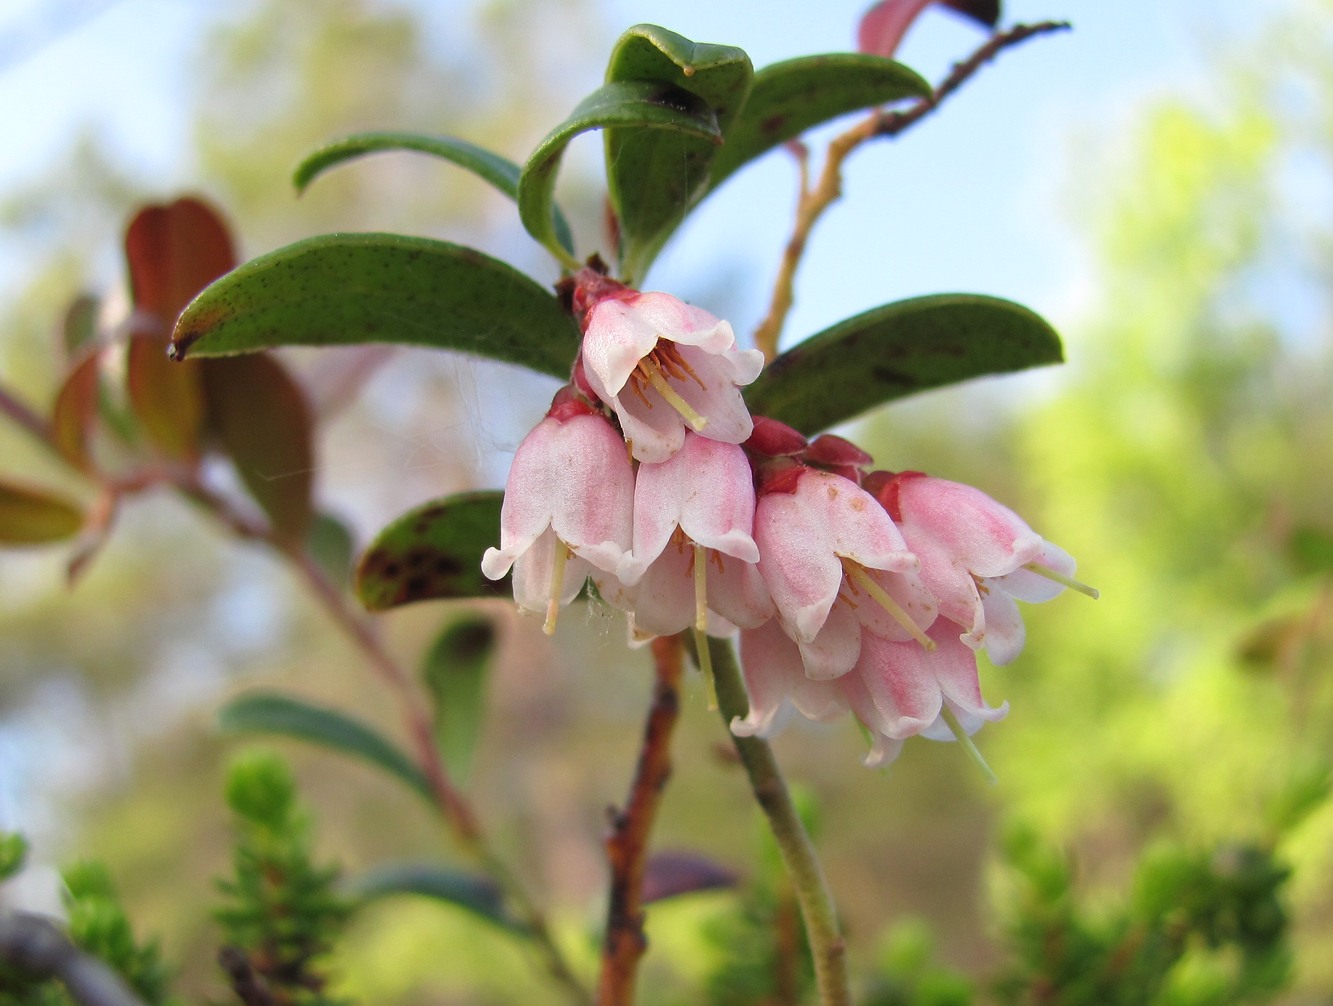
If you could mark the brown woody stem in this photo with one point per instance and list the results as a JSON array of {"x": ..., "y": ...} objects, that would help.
[
  {"x": 627, "y": 844},
  {"x": 813, "y": 201}
]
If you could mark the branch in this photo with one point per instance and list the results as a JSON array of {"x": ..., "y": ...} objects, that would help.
[
  {"x": 798, "y": 854},
  {"x": 38, "y": 950},
  {"x": 23, "y": 416},
  {"x": 627, "y": 845},
  {"x": 893, "y": 123},
  {"x": 814, "y": 201}
]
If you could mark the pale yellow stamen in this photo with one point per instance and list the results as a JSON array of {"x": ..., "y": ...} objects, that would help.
[
  {"x": 653, "y": 373},
  {"x": 961, "y": 736},
  {"x": 1063, "y": 580},
  {"x": 562, "y": 555},
  {"x": 860, "y": 578}
]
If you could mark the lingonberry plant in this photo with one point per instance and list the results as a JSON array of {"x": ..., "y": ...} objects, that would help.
[{"x": 679, "y": 475}]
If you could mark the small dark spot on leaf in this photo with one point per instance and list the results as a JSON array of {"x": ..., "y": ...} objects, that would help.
[{"x": 447, "y": 565}]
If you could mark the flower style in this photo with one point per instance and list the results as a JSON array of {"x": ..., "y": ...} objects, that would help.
[
  {"x": 663, "y": 366},
  {"x": 567, "y": 507},
  {"x": 694, "y": 511},
  {"x": 977, "y": 556},
  {"x": 824, "y": 540}
]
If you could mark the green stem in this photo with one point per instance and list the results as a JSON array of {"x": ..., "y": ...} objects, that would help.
[{"x": 798, "y": 853}]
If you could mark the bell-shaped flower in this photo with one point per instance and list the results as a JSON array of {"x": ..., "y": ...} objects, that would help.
[
  {"x": 567, "y": 507},
  {"x": 693, "y": 552},
  {"x": 777, "y": 685},
  {"x": 977, "y": 556},
  {"x": 665, "y": 366},
  {"x": 835, "y": 565},
  {"x": 913, "y": 691}
]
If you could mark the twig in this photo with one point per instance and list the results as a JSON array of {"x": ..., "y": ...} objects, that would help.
[
  {"x": 814, "y": 201},
  {"x": 627, "y": 845},
  {"x": 25, "y": 417},
  {"x": 812, "y": 894},
  {"x": 38, "y": 950}
]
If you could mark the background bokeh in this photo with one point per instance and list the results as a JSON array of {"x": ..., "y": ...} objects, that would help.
[{"x": 1157, "y": 183}]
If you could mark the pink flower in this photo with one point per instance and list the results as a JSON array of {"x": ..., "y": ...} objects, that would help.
[
  {"x": 897, "y": 690},
  {"x": 693, "y": 551},
  {"x": 567, "y": 507},
  {"x": 883, "y": 26},
  {"x": 977, "y": 557},
  {"x": 663, "y": 366},
  {"x": 913, "y": 691},
  {"x": 835, "y": 565}
]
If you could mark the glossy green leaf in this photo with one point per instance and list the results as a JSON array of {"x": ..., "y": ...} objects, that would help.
[
  {"x": 790, "y": 97},
  {"x": 654, "y": 177},
  {"x": 261, "y": 420},
  {"x": 31, "y": 516},
  {"x": 339, "y": 289},
  {"x": 454, "y": 670},
  {"x": 433, "y": 552},
  {"x": 898, "y": 350},
  {"x": 500, "y": 172},
  {"x": 287, "y": 716},
  {"x": 476, "y": 894},
  {"x": 638, "y": 104}
]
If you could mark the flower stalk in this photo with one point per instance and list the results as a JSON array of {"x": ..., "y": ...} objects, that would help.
[{"x": 827, "y": 945}]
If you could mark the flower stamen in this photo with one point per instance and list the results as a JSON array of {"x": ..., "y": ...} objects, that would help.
[
  {"x": 860, "y": 578},
  {"x": 649, "y": 371},
  {"x": 562, "y": 555},
  {"x": 1063, "y": 580}
]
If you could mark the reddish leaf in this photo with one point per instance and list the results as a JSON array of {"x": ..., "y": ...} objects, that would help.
[
  {"x": 882, "y": 28},
  {"x": 76, "y": 407},
  {"x": 174, "y": 251},
  {"x": 167, "y": 397},
  {"x": 33, "y": 516},
  {"x": 669, "y": 874},
  {"x": 260, "y": 419}
]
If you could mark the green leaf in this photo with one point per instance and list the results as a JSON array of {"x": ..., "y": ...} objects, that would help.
[
  {"x": 329, "y": 543},
  {"x": 455, "y": 670},
  {"x": 655, "y": 177},
  {"x": 476, "y": 894},
  {"x": 790, "y": 97},
  {"x": 31, "y": 516},
  {"x": 287, "y": 716},
  {"x": 642, "y": 104},
  {"x": 339, "y": 289},
  {"x": 897, "y": 350},
  {"x": 500, "y": 172},
  {"x": 433, "y": 552}
]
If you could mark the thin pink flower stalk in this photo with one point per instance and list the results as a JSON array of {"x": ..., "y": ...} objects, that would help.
[
  {"x": 567, "y": 507},
  {"x": 664, "y": 367},
  {"x": 835, "y": 566},
  {"x": 977, "y": 556}
]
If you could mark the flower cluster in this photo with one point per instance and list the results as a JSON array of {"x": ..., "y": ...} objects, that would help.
[{"x": 869, "y": 593}]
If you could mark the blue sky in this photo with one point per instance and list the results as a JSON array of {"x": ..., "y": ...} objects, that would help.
[{"x": 969, "y": 201}]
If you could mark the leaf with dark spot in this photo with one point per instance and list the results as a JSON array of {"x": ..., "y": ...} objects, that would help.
[
  {"x": 897, "y": 350},
  {"x": 433, "y": 553},
  {"x": 342, "y": 289}
]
